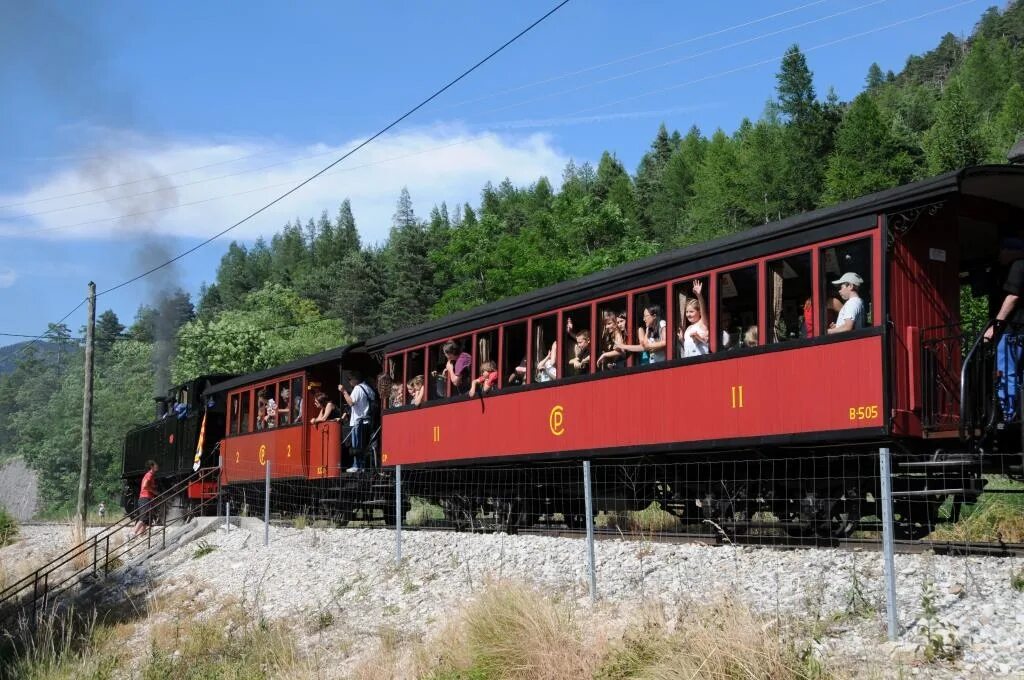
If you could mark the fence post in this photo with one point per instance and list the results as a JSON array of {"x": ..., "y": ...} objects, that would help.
[
  {"x": 888, "y": 545},
  {"x": 266, "y": 508},
  {"x": 589, "y": 508},
  {"x": 227, "y": 516},
  {"x": 398, "y": 515}
]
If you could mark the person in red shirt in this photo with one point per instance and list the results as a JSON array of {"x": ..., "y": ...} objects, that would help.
[{"x": 147, "y": 492}]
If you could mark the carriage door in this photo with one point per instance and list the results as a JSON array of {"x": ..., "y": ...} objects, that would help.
[{"x": 925, "y": 342}]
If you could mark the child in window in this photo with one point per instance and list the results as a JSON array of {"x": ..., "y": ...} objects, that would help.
[
  {"x": 694, "y": 339},
  {"x": 486, "y": 380},
  {"x": 580, "y": 362}
]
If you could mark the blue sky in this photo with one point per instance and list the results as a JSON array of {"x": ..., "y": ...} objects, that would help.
[{"x": 135, "y": 130}]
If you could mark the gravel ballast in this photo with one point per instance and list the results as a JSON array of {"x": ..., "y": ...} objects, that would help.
[{"x": 351, "y": 573}]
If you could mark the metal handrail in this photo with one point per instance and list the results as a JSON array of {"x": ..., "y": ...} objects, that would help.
[
  {"x": 967, "y": 423},
  {"x": 93, "y": 542}
]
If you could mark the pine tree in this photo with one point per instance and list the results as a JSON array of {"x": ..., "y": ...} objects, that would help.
[
  {"x": 108, "y": 330},
  {"x": 1008, "y": 127},
  {"x": 954, "y": 141},
  {"x": 875, "y": 77},
  {"x": 867, "y": 157},
  {"x": 808, "y": 135}
]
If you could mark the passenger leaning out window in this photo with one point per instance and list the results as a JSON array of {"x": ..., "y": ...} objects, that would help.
[
  {"x": 851, "y": 314},
  {"x": 693, "y": 340},
  {"x": 486, "y": 381},
  {"x": 547, "y": 368},
  {"x": 457, "y": 368},
  {"x": 417, "y": 390},
  {"x": 611, "y": 335},
  {"x": 580, "y": 364},
  {"x": 651, "y": 335}
]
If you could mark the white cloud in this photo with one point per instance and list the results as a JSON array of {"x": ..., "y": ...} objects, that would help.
[
  {"x": 159, "y": 192},
  {"x": 7, "y": 277}
]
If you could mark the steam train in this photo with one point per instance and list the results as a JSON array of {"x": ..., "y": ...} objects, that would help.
[{"x": 777, "y": 408}]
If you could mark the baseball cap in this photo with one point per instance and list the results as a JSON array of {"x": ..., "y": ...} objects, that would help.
[{"x": 849, "y": 277}]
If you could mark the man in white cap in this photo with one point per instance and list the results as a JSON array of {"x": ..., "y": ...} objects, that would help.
[{"x": 851, "y": 316}]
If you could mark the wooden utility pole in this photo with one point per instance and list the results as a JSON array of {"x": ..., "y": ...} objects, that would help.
[{"x": 83, "y": 479}]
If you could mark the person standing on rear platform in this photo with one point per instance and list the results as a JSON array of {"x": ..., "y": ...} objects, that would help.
[
  {"x": 360, "y": 400},
  {"x": 147, "y": 492},
  {"x": 1009, "y": 326}
]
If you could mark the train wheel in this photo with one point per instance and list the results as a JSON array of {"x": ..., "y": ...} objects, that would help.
[{"x": 843, "y": 517}]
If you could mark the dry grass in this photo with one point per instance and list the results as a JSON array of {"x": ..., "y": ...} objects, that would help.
[
  {"x": 723, "y": 641},
  {"x": 512, "y": 632}
]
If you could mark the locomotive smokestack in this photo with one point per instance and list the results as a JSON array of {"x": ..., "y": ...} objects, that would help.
[{"x": 161, "y": 407}]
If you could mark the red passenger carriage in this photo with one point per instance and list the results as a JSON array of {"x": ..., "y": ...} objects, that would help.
[{"x": 787, "y": 388}]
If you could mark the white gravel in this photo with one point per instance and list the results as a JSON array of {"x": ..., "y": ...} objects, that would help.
[{"x": 351, "y": 573}]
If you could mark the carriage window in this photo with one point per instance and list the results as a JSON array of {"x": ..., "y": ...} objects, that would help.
[
  {"x": 298, "y": 400},
  {"x": 391, "y": 384},
  {"x": 690, "y": 330},
  {"x": 846, "y": 283},
  {"x": 790, "y": 303},
  {"x": 576, "y": 348},
  {"x": 612, "y": 327},
  {"x": 545, "y": 349},
  {"x": 284, "y": 404},
  {"x": 737, "y": 309},
  {"x": 233, "y": 417},
  {"x": 437, "y": 382},
  {"x": 514, "y": 345},
  {"x": 650, "y": 328},
  {"x": 245, "y": 413},
  {"x": 462, "y": 364},
  {"x": 415, "y": 388},
  {"x": 487, "y": 358},
  {"x": 266, "y": 405}
]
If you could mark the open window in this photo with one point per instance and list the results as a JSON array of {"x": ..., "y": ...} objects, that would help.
[
  {"x": 391, "y": 385},
  {"x": 245, "y": 413},
  {"x": 266, "y": 407},
  {"x": 487, "y": 359},
  {"x": 545, "y": 349},
  {"x": 576, "y": 349},
  {"x": 514, "y": 344},
  {"x": 416, "y": 385},
  {"x": 846, "y": 282},
  {"x": 297, "y": 400},
  {"x": 233, "y": 414},
  {"x": 437, "y": 380},
  {"x": 650, "y": 327},
  {"x": 284, "y": 403},
  {"x": 691, "y": 328},
  {"x": 612, "y": 327},
  {"x": 737, "y": 308},
  {"x": 790, "y": 300}
]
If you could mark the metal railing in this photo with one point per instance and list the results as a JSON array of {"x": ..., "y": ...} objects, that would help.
[
  {"x": 978, "y": 408},
  {"x": 97, "y": 554}
]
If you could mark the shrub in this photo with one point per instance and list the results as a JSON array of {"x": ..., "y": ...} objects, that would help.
[{"x": 8, "y": 527}]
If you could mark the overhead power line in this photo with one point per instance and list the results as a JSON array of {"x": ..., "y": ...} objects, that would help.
[
  {"x": 503, "y": 108},
  {"x": 370, "y": 139},
  {"x": 772, "y": 60},
  {"x": 497, "y": 93}
]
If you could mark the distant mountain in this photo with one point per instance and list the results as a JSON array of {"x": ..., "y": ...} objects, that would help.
[{"x": 10, "y": 355}]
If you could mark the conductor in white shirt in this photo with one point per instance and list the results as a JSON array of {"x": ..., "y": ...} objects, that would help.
[{"x": 851, "y": 316}]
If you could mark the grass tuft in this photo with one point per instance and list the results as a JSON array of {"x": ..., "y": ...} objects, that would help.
[
  {"x": 8, "y": 528},
  {"x": 994, "y": 518}
]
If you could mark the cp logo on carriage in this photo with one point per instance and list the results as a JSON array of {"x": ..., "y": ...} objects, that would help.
[
  {"x": 263, "y": 454},
  {"x": 556, "y": 420}
]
